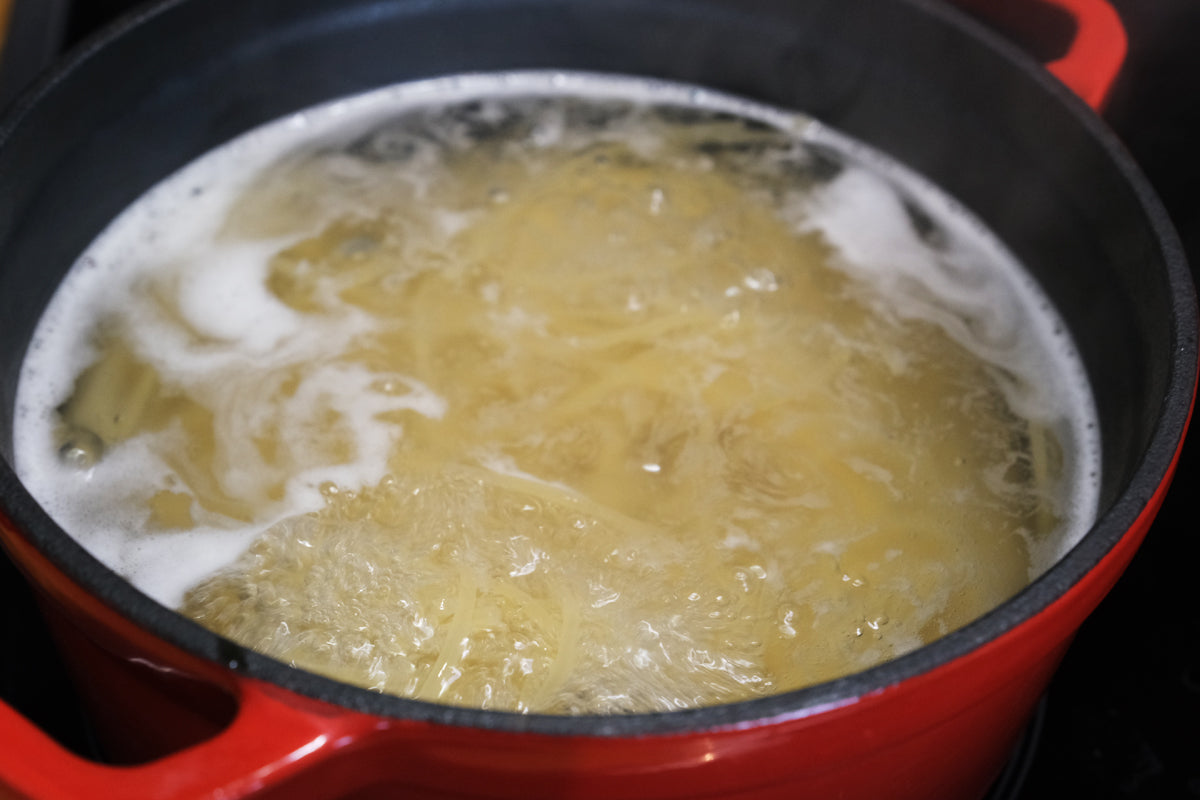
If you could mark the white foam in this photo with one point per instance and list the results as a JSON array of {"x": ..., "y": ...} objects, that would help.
[{"x": 977, "y": 291}]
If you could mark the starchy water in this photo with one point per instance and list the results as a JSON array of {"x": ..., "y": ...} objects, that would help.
[{"x": 559, "y": 393}]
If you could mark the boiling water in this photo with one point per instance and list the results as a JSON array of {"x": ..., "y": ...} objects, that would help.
[{"x": 559, "y": 393}]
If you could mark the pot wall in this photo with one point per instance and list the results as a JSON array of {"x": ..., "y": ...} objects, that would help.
[{"x": 942, "y": 734}]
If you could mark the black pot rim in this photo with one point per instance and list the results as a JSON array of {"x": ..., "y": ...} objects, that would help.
[{"x": 1149, "y": 479}]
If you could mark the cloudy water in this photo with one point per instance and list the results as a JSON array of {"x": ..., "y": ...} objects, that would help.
[{"x": 562, "y": 393}]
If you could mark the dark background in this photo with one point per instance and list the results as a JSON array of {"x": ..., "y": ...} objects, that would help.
[
  {"x": 1123, "y": 714},
  {"x": 1122, "y": 717}
]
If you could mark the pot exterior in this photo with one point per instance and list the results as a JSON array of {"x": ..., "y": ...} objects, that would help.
[{"x": 945, "y": 733}]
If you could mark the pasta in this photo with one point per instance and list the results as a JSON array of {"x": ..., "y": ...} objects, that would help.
[{"x": 643, "y": 440}]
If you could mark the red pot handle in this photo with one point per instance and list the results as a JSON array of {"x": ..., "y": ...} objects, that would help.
[
  {"x": 270, "y": 743},
  {"x": 1090, "y": 66},
  {"x": 1097, "y": 49}
]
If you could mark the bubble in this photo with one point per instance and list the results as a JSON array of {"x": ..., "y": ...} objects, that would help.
[
  {"x": 761, "y": 279},
  {"x": 81, "y": 449}
]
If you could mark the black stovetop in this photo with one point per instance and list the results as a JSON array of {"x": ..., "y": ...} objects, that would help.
[{"x": 1122, "y": 716}]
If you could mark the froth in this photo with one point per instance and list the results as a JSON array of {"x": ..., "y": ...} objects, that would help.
[
  {"x": 953, "y": 273},
  {"x": 938, "y": 263}
]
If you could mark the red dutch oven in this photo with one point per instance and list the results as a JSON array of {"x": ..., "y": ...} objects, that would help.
[{"x": 184, "y": 713}]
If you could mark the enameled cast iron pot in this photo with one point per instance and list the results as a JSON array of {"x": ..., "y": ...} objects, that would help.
[{"x": 190, "y": 714}]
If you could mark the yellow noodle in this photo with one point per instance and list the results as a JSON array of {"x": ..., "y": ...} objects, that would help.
[
  {"x": 565, "y": 659},
  {"x": 451, "y": 651}
]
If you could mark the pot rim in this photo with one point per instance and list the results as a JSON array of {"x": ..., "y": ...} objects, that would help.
[{"x": 1112, "y": 525}]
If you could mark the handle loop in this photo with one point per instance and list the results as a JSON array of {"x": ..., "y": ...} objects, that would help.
[
  {"x": 270, "y": 743},
  {"x": 1097, "y": 43},
  {"x": 1091, "y": 65}
]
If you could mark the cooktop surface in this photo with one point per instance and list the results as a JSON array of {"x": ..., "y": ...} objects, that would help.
[{"x": 1122, "y": 717}]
